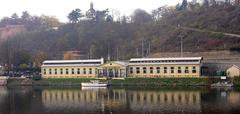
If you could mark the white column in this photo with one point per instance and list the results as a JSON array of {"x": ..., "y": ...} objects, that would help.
[{"x": 119, "y": 73}]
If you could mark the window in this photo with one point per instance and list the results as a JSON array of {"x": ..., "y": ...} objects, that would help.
[
  {"x": 151, "y": 70},
  {"x": 144, "y": 70},
  {"x": 172, "y": 69},
  {"x": 78, "y": 71},
  {"x": 158, "y": 70},
  {"x": 84, "y": 70},
  {"x": 165, "y": 69},
  {"x": 50, "y": 71},
  {"x": 186, "y": 70},
  {"x": 138, "y": 70},
  {"x": 55, "y": 70},
  {"x": 61, "y": 71},
  {"x": 44, "y": 71},
  {"x": 194, "y": 69},
  {"x": 73, "y": 71},
  {"x": 96, "y": 71},
  {"x": 90, "y": 70},
  {"x": 66, "y": 70},
  {"x": 179, "y": 70},
  {"x": 131, "y": 70}
]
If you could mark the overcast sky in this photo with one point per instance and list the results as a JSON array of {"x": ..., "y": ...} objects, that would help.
[{"x": 60, "y": 8}]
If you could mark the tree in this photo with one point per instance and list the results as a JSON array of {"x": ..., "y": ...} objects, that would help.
[
  {"x": 26, "y": 16},
  {"x": 51, "y": 21},
  {"x": 109, "y": 19},
  {"x": 15, "y": 16},
  {"x": 68, "y": 55},
  {"x": 141, "y": 16},
  {"x": 205, "y": 3},
  {"x": 21, "y": 57},
  {"x": 184, "y": 5},
  {"x": 92, "y": 51},
  {"x": 178, "y": 7},
  {"x": 15, "y": 19},
  {"x": 159, "y": 12},
  {"x": 75, "y": 15},
  {"x": 100, "y": 16},
  {"x": 124, "y": 19},
  {"x": 39, "y": 57},
  {"x": 213, "y": 2},
  {"x": 237, "y": 2}
]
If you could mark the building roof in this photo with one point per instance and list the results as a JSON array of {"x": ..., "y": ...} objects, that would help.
[
  {"x": 71, "y": 65},
  {"x": 236, "y": 66},
  {"x": 169, "y": 61},
  {"x": 159, "y": 59},
  {"x": 73, "y": 61},
  {"x": 121, "y": 63}
]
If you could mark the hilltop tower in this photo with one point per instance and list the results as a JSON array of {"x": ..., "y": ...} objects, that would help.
[{"x": 91, "y": 12}]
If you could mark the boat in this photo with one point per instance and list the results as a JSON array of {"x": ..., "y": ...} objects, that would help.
[
  {"x": 94, "y": 88},
  {"x": 94, "y": 83},
  {"x": 222, "y": 84}
]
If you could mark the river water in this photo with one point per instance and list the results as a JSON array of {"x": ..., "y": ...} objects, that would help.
[{"x": 118, "y": 100}]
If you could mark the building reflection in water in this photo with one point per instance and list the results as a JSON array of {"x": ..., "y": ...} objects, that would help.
[
  {"x": 3, "y": 100},
  {"x": 3, "y": 93},
  {"x": 136, "y": 101},
  {"x": 165, "y": 101}
]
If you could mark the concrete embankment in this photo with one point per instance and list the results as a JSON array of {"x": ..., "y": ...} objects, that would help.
[
  {"x": 117, "y": 82},
  {"x": 3, "y": 80}
]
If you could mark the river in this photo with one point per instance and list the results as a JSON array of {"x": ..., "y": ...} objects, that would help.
[{"x": 118, "y": 100}]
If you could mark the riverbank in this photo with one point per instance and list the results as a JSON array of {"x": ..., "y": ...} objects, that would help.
[
  {"x": 236, "y": 81},
  {"x": 117, "y": 82}
]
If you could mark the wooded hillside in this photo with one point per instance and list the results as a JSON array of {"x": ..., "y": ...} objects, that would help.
[{"x": 138, "y": 35}]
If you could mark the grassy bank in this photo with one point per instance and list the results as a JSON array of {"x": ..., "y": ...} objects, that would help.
[
  {"x": 236, "y": 81},
  {"x": 162, "y": 81},
  {"x": 48, "y": 82},
  {"x": 115, "y": 82}
]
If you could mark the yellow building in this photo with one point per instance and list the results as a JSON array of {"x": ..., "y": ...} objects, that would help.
[
  {"x": 136, "y": 67},
  {"x": 165, "y": 67},
  {"x": 233, "y": 71},
  {"x": 71, "y": 68}
]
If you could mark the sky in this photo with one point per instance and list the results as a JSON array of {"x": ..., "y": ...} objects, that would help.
[{"x": 61, "y": 8}]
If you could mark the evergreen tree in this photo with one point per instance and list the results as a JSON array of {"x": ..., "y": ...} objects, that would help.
[
  {"x": 213, "y": 2},
  {"x": 184, "y": 5},
  {"x": 206, "y": 3},
  {"x": 75, "y": 16}
]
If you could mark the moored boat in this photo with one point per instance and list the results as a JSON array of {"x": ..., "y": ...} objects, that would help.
[{"x": 94, "y": 83}]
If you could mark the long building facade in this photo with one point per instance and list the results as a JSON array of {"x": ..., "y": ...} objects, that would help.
[{"x": 135, "y": 67}]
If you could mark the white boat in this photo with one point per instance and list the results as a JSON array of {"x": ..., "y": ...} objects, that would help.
[
  {"x": 94, "y": 83},
  {"x": 94, "y": 88},
  {"x": 222, "y": 84}
]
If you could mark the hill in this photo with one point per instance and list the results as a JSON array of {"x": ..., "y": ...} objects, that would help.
[{"x": 141, "y": 35}]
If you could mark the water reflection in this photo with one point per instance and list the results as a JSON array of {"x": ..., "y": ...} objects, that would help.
[
  {"x": 3, "y": 94},
  {"x": 39, "y": 100},
  {"x": 143, "y": 101},
  {"x": 165, "y": 101}
]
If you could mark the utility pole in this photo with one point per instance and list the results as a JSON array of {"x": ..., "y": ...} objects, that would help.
[
  {"x": 181, "y": 37},
  {"x": 149, "y": 48},
  {"x": 181, "y": 46},
  {"x": 142, "y": 49},
  {"x": 108, "y": 52},
  {"x": 137, "y": 52},
  {"x": 8, "y": 58},
  {"x": 117, "y": 53}
]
